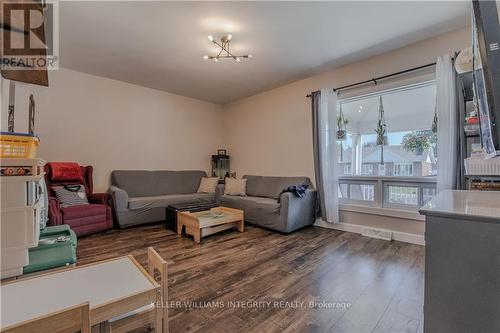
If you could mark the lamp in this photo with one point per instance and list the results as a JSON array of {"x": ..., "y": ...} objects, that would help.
[{"x": 224, "y": 52}]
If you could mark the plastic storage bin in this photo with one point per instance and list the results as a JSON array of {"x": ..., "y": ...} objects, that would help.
[
  {"x": 482, "y": 167},
  {"x": 18, "y": 145},
  {"x": 48, "y": 256}
]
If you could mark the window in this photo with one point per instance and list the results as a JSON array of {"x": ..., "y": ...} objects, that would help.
[
  {"x": 397, "y": 155},
  {"x": 381, "y": 169},
  {"x": 403, "y": 169},
  {"x": 357, "y": 192},
  {"x": 427, "y": 194},
  {"x": 347, "y": 169},
  {"x": 402, "y": 195},
  {"x": 409, "y": 148},
  {"x": 345, "y": 149},
  {"x": 396, "y": 194},
  {"x": 408, "y": 194},
  {"x": 367, "y": 169},
  {"x": 362, "y": 192}
]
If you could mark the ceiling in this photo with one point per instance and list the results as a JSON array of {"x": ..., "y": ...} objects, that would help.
[{"x": 161, "y": 44}]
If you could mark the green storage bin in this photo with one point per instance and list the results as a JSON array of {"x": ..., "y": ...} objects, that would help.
[{"x": 48, "y": 256}]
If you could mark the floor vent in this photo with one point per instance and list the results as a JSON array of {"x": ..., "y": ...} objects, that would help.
[{"x": 377, "y": 233}]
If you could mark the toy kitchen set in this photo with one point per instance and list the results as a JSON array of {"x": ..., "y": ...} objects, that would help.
[{"x": 27, "y": 245}]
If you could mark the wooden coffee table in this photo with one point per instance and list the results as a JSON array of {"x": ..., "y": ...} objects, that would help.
[{"x": 201, "y": 224}]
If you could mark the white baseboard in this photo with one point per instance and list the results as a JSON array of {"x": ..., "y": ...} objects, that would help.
[{"x": 356, "y": 228}]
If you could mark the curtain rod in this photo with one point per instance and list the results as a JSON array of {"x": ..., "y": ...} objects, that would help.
[{"x": 375, "y": 79}]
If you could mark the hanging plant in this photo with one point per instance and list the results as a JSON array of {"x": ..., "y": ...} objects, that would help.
[
  {"x": 417, "y": 141},
  {"x": 341, "y": 125},
  {"x": 381, "y": 134},
  {"x": 381, "y": 126},
  {"x": 434, "y": 127}
]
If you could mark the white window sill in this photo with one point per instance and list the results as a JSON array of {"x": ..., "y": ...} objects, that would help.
[{"x": 392, "y": 212}]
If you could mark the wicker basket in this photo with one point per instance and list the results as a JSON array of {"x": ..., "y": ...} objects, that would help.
[{"x": 18, "y": 145}]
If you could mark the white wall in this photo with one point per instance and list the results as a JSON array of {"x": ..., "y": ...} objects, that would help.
[{"x": 115, "y": 125}]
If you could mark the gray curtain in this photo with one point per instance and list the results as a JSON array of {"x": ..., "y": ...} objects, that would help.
[{"x": 318, "y": 170}]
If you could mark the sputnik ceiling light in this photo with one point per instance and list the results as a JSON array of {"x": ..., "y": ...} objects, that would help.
[{"x": 224, "y": 52}]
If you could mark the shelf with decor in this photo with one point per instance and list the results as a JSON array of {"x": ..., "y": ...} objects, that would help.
[{"x": 478, "y": 173}]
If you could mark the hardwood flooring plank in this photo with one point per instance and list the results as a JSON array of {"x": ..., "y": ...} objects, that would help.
[
  {"x": 377, "y": 285},
  {"x": 368, "y": 309}
]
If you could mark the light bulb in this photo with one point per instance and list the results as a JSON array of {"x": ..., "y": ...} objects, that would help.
[
  {"x": 237, "y": 58},
  {"x": 216, "y": 59},
  {"x": 229, "y": 37},
  {"x": 205, "y": 57},
  {"x": 210, "y": 38}
]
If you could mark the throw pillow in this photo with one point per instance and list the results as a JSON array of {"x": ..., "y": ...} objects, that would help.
[
  {"x": 208, "y": 185},
  {"x": 235, "y": 187},
  {"x": 65, "y": 172},
  {"x": 71, "y": 195}
]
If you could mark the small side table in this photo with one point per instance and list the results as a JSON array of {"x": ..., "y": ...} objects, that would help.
[
  {"x": 172, "y": 210},
  {"x": 204, "y": 223}
]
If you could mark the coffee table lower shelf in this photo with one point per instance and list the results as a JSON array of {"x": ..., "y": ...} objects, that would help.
[{"x": 199, "y": 225}]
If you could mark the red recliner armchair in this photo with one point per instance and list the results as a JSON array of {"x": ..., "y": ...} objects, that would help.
[{"x": 83, "y": 219}]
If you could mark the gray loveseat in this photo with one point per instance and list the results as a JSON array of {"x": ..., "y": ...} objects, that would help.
[
  {"x": 261, "y": 205},
  {"x": 142, "y": 196}
]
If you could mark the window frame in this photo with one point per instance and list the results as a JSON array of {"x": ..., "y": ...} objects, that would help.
[
  {"x": 367, "y": 165},
  {"x": 381, "y": 184},
  {"x": 381, "y": 166},
  {"x": 348, "y": 200},
  {"x": 402, "y": 165},
  {"x": 348, "y": 166},
  {"x": 396, "y": 205},
  {"x": 379, "y": 178}
]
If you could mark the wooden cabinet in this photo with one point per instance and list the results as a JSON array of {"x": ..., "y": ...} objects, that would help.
[{"x": 462, "y": 262}]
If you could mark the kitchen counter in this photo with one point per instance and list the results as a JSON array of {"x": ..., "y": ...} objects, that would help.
[
  {"x": 479, "y": 206},
  {"x": 462, "y": 267}
]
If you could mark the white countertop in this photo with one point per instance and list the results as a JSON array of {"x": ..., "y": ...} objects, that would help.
[{"x": 482, "y": 205}]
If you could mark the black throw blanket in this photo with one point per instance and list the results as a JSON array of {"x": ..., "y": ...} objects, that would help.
[{"x": 298, "y": 190}]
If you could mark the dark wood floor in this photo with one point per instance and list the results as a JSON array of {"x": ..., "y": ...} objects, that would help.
[{"x": 375, "y": 285}]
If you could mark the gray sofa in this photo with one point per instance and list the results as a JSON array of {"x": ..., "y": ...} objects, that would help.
[
  {"x": 261, "y": 205},
  {"x": 142, "y": 196}
]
